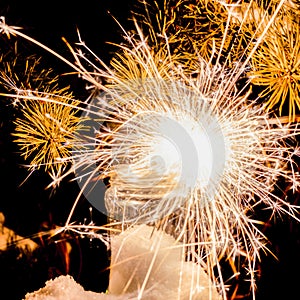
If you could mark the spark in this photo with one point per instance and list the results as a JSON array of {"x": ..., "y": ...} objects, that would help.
[
  {"x": 44, "y": 133},
  {"x": 276, "y": 67},
  {"x": 47, "y": 115}
]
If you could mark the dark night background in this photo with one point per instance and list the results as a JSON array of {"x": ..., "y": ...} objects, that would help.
[{"x": 30, "y": 209}]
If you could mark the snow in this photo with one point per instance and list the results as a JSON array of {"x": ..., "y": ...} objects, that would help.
[{"x": 145, "y": 264}]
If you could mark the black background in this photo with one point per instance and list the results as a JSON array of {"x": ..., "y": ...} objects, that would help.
[{"x": 28, "y": 208}]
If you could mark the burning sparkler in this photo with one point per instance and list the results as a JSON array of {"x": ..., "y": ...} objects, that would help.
[
  {"x": 276, "y": 66},
  {"x": 44, "y": 129}
]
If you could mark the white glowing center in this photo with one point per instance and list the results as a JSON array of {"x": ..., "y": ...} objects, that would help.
[{"x": 183, "y": 150}]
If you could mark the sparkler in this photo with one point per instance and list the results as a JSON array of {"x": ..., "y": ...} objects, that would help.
[
  {"x": 183, "y": 148},
  {"x": 43, "y": 129},
  {"x": 197, "y": 25},
  {"x": 194, "y": 160},
  {"x": 276, "y": 66}
]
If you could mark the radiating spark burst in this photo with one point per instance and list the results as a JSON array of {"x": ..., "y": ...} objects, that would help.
[
  {"x": 44, "y": 130},
  {"x": 139, "y": 155},
  {"x": 275, "y": 66},
  {"x": 199, "y": 26},
  {"x": 210, "y": 208},
  {"x": 155, "y": 179}
]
